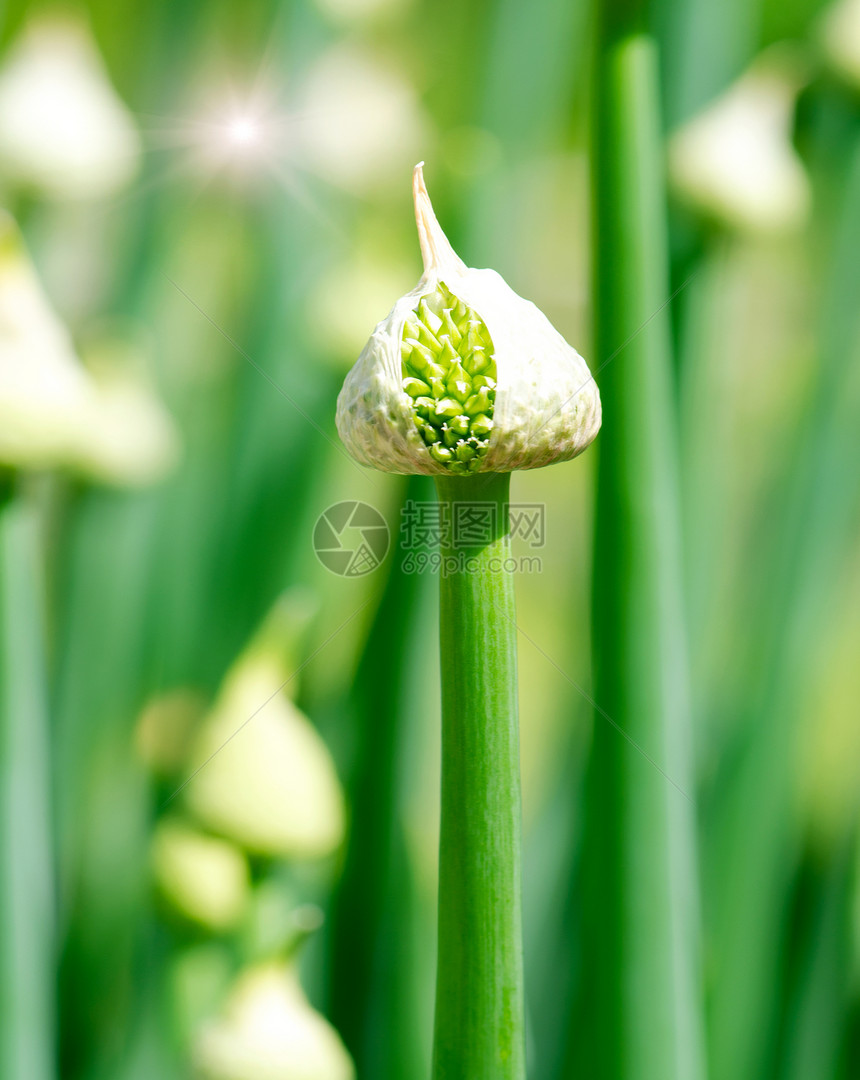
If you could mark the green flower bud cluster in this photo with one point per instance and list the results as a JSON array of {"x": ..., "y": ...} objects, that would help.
[{"x": 449, "y": 371}]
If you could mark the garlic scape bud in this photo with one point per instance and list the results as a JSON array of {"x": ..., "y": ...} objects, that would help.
[{"x": 464, "y": 376}]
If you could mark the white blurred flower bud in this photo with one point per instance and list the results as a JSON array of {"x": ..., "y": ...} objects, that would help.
[
  {"x": 43, "y": 388},
  {"x": 840, "y": 36},
  {"x": 128, "y": 438},
  {"x": 358, "y": 11},
  {"x": 268, "y": 1031},
  {"x": 53, "y": 412},
  {"x": 360, "y": 120},
  {"x": 465, "y": 376},
  {"x": 63, "y": 130},
  {"x": 205, "y": 878},
  {"x": 270, "y": 786},
  {"x": 735, "y": 161}
]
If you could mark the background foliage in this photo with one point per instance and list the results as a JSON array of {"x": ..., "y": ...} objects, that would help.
[{"x": 233, "y": 277}]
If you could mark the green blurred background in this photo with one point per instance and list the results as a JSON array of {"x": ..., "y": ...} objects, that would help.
[{"x": 209, "y": 208}]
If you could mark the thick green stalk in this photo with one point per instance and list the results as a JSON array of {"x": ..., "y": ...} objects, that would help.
[
  {"x": 641, "y": 984},
  {"x": 479, "y": 1033}
]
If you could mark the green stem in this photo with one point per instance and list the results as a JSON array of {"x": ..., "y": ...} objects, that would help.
[
  {"x": 26, "y": 873},
  {"x": 642, "y": 982},
  {"x": 479, "y": 1033}
]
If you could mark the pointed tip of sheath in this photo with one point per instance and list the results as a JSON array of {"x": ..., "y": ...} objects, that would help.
[{"x": 436, "y": 251}]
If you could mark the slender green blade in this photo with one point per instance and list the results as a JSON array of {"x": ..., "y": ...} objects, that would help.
[
  {"x": 752, "y": 849},
  {"x": 641, "y": 982},
  {"x": 371, "y": 975},
  {"x": 820, "y": 1008},
  {"x": 27, "y": 921}
]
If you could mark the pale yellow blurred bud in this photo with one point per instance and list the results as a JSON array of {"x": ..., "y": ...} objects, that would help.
[
  {"x": 266, "y": 778},
  {"x": 164, "y": 728},
  {"x": 840, "y": 37},
  {"x": 268, "y": 1031},
  {"x": 204, "y": 878}
]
